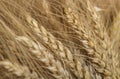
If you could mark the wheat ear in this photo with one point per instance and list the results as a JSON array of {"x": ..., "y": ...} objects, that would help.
[
  {"x": 59, "y": 49},
  {"x": 46, "y": 57},
  {"x": 18, "y": 70},
  {"x": 114, "y": 48},
  {"x": 88, "y": 42}
]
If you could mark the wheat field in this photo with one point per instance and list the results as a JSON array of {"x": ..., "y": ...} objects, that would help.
[{"x": 59, "y": 39}]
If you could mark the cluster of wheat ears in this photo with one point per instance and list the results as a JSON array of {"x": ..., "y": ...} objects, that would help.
[{"x": 59, "y": 39}]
